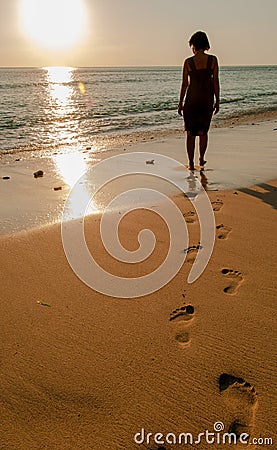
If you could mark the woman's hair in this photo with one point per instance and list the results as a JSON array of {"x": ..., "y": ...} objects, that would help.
[{"x": 200, "y": 41}]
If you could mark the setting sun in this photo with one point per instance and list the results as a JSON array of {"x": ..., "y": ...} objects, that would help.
[{"x": 53, "y": 24}]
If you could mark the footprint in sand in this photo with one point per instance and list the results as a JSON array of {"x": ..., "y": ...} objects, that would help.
[
  {"x": 235, "y": 279},
  {"x": 241, "y": 399},
  {"x": 192, "y": 252},
  {"x": 222, "y": 231},
  {"x": 190, "y": 216},
  {"x": 217, "y": 205},
  {"x": 182, "y": 316}
]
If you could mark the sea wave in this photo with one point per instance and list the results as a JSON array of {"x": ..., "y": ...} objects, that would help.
[{"x": 114, "y": 101}]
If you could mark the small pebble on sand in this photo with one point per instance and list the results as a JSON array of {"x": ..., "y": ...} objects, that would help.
[{"x": 38, "y": 173}]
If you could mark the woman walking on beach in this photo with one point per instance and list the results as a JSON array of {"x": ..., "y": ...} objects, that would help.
[{"x": 200, "y": 87}]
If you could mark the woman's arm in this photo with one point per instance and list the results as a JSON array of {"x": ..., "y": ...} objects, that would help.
[
  {"x": 216, "y": 85},
  {"x": 183, "y": 87}
]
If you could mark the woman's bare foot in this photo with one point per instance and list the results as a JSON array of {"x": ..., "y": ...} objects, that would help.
[{"x": 202, "y": 163}]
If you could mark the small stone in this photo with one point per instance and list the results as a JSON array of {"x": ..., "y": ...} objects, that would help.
[
  {"x": 38, "y": 173},
  {"x": 18, "y": 159},
  {"x": 190, "y": 309},
  {"x": 88, "y": 148},
  {"x": 235, "y": 193},
  {"x": 58, "y": 188},
  {"x": 150, "y": 161},
  {"x": 6, "y": 178}
]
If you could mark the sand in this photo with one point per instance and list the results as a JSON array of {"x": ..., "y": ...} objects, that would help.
[
  {"x": 235, "y": 159},
  {"x": 82, "y": 370}
]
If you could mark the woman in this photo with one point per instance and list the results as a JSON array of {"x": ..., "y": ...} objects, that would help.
[{"x": 200, "y": 85}]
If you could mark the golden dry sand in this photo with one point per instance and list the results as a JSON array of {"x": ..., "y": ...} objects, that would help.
[{"x": 80, "y": 370}]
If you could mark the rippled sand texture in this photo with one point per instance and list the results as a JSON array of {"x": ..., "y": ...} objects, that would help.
[{"x": 81, "y": 370}]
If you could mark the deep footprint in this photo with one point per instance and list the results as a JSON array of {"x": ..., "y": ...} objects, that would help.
[
  {"x": 223, "y": 231},
  {"x": 192, "y": 252},
  {"x": 241, "y": 399},
  {"x": 236, "y": 279},
  {"x": 182, "y": 337},
  {"x": 189, "y": 216},
  {"x": 217, "y": 205},
  {"x": 182, "y": 316},
  {"x": 184, "y": 313}
]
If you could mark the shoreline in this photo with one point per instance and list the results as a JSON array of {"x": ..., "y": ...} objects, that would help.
[
  {"x": 234, "y": 161},
  {"x": 111, "y": 142}
]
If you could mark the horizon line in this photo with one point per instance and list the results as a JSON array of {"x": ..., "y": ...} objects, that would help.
[{"x": 127, "y": 66}]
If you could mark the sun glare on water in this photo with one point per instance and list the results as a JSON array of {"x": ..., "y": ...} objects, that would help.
[
  {"x": 53, "y": 24},
  {"x": 59, "y": 89}
]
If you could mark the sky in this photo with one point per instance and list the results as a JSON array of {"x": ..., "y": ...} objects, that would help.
[{"x": 134, "y": 33}]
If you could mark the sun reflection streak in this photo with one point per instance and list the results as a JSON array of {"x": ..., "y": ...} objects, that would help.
[
  {"x": 59, "y": 88},
  {"x": 61, "y": 108},
  {"x": 60, "y": 74},
  {"x": 72, "y": 166}
]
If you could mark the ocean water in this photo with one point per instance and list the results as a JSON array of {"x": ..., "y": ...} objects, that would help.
[{"x": 50, "y": 108}]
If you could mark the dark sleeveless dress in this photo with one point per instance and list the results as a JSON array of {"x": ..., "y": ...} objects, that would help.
[{"x": 199, "y": 101}]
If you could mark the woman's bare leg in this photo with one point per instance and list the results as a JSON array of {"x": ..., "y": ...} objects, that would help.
[
  {"x": 203, "y": 143},
  {"x": 190, "y": 150}
]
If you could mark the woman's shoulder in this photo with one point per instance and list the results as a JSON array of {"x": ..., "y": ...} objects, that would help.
[
  {"x": 188, "y": 62},
  {"x": 213, "y": 57},
  {"x": 214, "y": 61}
]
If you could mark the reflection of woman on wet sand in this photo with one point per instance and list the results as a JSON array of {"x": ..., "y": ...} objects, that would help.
[{"x": 200, "y": 85}]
